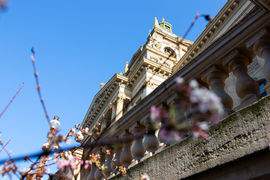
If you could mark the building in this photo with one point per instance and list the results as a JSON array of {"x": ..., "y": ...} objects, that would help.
[
  {"x": 231, "y": 57},
  {"x": 151, "y": 64}
]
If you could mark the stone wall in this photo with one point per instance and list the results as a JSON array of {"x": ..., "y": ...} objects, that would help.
[{"x": 242, "y": 133}]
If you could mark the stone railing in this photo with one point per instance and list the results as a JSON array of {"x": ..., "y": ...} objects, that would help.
[
  {"x": 232, "y": 52},
  {"x": 230, "y": 152}
]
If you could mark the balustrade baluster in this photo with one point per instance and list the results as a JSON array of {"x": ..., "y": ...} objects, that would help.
[
  {"x": 246, "y": 88},
  {"x": 118, "y": 150},
  {"x": 215, "y": 78},
  {"x": 85, "y": 172},
  {"x": 262, "y": 49},
  {"x": 98, "y": 173},
  {"x": 126, "y": 156},
  {"x": 91, "y": 176},
  {"x": 137, "y": 148},
  {"x": 150, "y": 140},
  {"x": 108, "y": 162}
]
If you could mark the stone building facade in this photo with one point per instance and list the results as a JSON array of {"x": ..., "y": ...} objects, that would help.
[
  {"x": 232, "y": 58},
  {"x": 150, "y": 65}
]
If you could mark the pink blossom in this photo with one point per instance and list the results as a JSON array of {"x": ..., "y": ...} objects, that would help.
[
  {"x": 55, "y": 155},
  {"x": 55, "y": 124},
  {"x": 207, "y": 102},
  {"x": 199, "y": 130},
  {"x": 179, "y": 83},
  {"x": 79, "y": 136},
  {"x": 45, "y": 146},
  {"x": 85, "y": 164},
  {"x": 170, "y": 136},
  {"x": 155, "y": 114},
  {"x": 193, "y": 83},
  {"x": 72, "y": 132},
  {"x": 63, "y": 163},
  {"x": 179, "y": 80}
]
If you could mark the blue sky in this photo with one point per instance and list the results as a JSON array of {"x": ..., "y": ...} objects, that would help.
[{"x": 79, "y": 44}]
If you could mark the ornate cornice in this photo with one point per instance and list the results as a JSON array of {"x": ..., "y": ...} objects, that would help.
[
  {"x": 211, "y": 30},
  {"x": 264, "y": 4},
  {"x": 148, "y": 64},
  {"x": 101, "y": 97}
]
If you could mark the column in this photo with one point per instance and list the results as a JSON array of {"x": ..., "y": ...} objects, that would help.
[
  {"x": 113, "y": 108},
  {"x": 119, "y": 107}
]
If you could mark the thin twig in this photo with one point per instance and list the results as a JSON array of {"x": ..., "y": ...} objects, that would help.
[
  {"x": 17, "y": 92},
  {"x": 11, "y": 159},
  {"x": 5, "y": 145},
  {"x": 98, "y": 143},
  {"x": 38, "y": 86}
]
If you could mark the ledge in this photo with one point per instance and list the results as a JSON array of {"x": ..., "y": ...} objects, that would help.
[{"x": 243, "y": 133}]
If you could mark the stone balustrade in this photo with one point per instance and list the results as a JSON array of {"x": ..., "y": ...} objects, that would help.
[{"x": 231, "y": 53}]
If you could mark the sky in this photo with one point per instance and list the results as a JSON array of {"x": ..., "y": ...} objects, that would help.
[{"x": 79, "y": 44}]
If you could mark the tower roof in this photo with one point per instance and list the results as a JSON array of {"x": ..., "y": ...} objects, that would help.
[{"x": 163, "y": 25}]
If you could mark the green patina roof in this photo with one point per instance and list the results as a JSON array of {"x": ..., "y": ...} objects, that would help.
[{"x": 166, "y": 26}]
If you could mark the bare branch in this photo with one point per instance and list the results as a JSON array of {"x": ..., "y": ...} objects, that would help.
[{"x": 17, "y": 92}]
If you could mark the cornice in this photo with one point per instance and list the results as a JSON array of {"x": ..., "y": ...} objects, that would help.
[
  {"x": 210, "y": 31},
  {"x": 148, "y": 64},
  {"x": 265, "y": 4},
  {"x": 101, "y": 97},
  {"x": 167, "y": 35}
]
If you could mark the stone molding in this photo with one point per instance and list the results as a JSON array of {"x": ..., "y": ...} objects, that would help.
[
  {"x": 101, "y": 97},
  {"x": 242, "y": 133},
  {"x": 210, "y": 31}
]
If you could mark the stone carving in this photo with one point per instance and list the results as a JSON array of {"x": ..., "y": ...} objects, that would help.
[{"x": 154, "y": 43}]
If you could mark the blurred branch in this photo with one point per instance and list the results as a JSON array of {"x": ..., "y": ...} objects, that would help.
[
  {"x": 4, "y": 145},
  {"x": 3, "y": 5},
  {"x": 18, "y": 91}
]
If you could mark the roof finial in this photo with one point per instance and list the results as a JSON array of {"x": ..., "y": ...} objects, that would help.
[
  {"x": 163, "y": 20},
  {"x": 126, "y": 68},
  {"x": 156, "y": 22},
  {"x": 102, "y": 85}
]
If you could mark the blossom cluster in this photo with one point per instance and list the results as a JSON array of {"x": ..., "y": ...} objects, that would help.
[
  {"x": 8, "y": 167},
  {"x": 193, "y": 110},
  {"x": 68, "y": 160}
]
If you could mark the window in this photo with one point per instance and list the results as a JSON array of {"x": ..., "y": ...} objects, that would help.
[{"x": 170, "y": 52}]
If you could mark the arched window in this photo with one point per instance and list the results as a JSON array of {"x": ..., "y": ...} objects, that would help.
[{"x": 169, "y": 52}]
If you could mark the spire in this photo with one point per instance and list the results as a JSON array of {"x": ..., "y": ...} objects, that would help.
[
  {"x": 126, "y": 68},
  {"x": 156, "y": 23}
]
